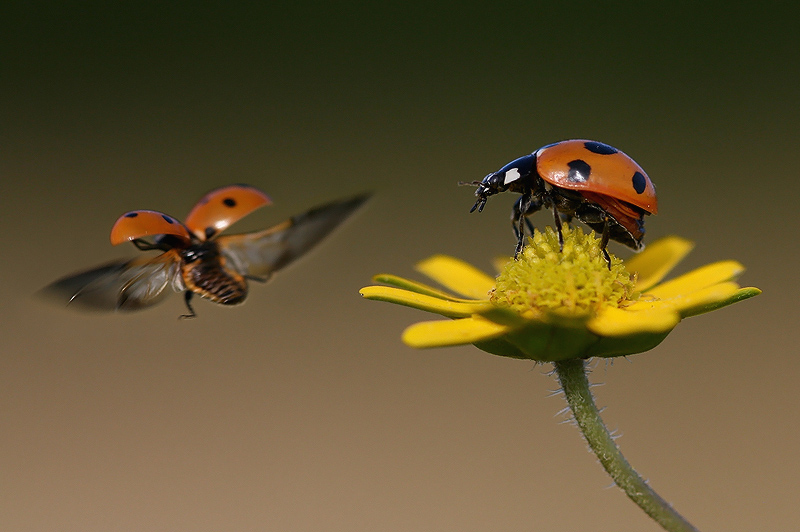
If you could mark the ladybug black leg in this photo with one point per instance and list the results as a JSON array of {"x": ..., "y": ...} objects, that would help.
[
  {"x": 604, "y": 242},
  {"x": 529, "y": 225},
  {"x": 256, "y": 278},
  {"x": 557, "y": 220},
  {"x": 518, "y": 222},
  {"x": 187, "y": 298},
  {"x": 519, "y": 231},
  {"x": 524, "y": 206},
  {"x": 515, "y": 225}
]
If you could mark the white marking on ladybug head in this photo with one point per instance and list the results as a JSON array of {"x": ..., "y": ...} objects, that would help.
[{"x": 511, "y": 176}]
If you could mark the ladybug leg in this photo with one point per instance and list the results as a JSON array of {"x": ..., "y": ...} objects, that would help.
[
  {"x": 256, "y": 278},
  {"x": 529, "y": 225},
  {"x": 518, "y": 222},
  {"x": 524, "y": 206},
  {"x": 604, "y": 242},
  {"x": 517, "y": 226},
  {"x": 518, "y": 231},
  {"x": 557, "y": 219},
  {"x": 187, "y": 298}
]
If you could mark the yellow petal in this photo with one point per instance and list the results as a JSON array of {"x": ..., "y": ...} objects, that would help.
[
  {"x": 719, "y": 300},
  {"x": 414, "y": 286},
  {"x": 702, "y": 301},
  {"x": 451, "y": 309},
  {"x": 622, "y": 322},
  {"x": 657, "y": 260},
  {"x": 698, "y": 279},
  {"x": 684, "y": 302},
  {"x": 457, "y": 275},
  {"x": 452, "y": 332}
]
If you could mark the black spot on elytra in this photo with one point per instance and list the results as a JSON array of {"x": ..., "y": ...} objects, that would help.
[
  {"x": 578, "y": 171},
  {"x": 168, "y": 219},
  {"x": 210, "y": 231},
  {"x": 639, "y": 182},
  {"x": 229, "y": 202},
  {"x": 599, "y": 148},
  {"x": 132, "y": 215}
]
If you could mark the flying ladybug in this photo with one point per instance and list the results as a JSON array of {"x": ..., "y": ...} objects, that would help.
[
  {"x": 195, "y": 258},
  {"x": 591, "y": 181}
]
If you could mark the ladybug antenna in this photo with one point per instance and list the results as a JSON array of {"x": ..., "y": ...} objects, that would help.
[{"x": 469, "y": 183}]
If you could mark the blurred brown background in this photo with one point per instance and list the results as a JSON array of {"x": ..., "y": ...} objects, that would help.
[{"x": 302, "y": 410}]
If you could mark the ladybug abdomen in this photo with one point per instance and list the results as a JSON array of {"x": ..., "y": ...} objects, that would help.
[
  {"x": 626, "y": 221},
  {"x": 205, "y": 274}
]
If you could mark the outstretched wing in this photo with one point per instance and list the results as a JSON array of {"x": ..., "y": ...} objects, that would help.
[
  {"x": 223, "y": 206},
  {"x": 137, "y": 224},
  {"x": 260, "y": 253},
  {"x": 121, "y": 285}
]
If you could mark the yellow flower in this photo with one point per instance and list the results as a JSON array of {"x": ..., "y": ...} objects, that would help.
[{"x": 550, "y": 305}]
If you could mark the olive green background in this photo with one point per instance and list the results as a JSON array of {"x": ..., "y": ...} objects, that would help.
[{"x": 302, "y": 410}]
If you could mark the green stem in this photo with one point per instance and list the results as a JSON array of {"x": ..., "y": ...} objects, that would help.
[{"x": 572, "y": 376}]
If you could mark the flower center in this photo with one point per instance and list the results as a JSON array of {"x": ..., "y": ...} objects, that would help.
[{"x": 575, "y": 282}]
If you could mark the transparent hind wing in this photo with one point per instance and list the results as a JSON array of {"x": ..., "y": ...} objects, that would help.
[
  {"x": 261, "y": 253},
  {"x": 124, "y": 285}
]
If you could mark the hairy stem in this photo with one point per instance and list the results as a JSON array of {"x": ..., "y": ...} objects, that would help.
[{"x": 572, "y": 376}]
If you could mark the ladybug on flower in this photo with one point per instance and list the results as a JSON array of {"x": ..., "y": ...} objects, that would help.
[{"x": 584, "y": 179}]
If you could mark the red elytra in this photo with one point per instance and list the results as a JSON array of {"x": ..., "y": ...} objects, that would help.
[
  {"x": 142, "y": 223},
  {"x": 612, "y": 174},
  {"x": 220, "y": 208},
  {"x": 215, "y": 212}
]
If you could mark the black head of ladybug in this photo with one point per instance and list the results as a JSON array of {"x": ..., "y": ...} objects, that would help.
[{"x": 515, "y": 176}]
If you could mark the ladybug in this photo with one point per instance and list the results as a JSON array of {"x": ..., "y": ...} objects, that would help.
[
  {"x": 194, "y": 259},
  {"x": 588, "y": 180}
]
